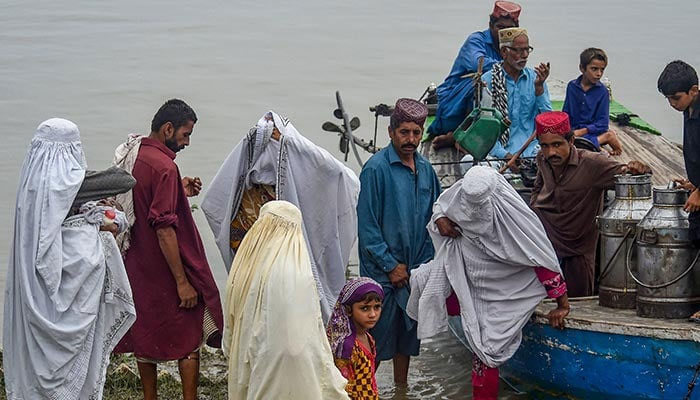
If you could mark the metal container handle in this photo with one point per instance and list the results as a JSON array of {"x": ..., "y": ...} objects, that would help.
[
  {"x": 663, "y": 285},
  {"x": 606, "y": 270},
  {"x": 647, "y": 236}
]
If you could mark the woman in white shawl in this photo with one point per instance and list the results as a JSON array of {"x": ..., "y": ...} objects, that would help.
[
  {"x": 274, "y": 161},
  {"x": 67, "y": 297},
  {"x": 274, "y": 337},
  {"x": 493, "y": 252}
]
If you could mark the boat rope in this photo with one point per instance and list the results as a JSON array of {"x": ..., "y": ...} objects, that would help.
[{"x": 691, "y": 385}]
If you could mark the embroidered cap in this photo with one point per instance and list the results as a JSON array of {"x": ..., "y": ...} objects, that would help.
[
  {"x": 409, "y": 110},
  {"x": 556, "y": 122},
  {"x": 507, "y": 36},
  {"x": 506, "y": 9}
]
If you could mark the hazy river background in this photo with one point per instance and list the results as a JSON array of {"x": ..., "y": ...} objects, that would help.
[{"x": 108, "y": 66}]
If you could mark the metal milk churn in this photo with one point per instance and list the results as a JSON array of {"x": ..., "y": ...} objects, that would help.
[
  {"x": 669, "y": 282},
  {"x": 617, "y": 225}
]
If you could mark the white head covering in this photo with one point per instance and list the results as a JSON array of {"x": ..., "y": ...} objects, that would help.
[
  {"x": 61, "y": 319},
  {"x": 490, "y": 211},
  {"x": 489, "y": 267},
  {"x": 273, "y": 325},
  {"x": 51, "y": 176},
  {"x": 303, "y": 174}
]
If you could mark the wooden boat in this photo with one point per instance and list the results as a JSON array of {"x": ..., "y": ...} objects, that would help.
[
  {"x": 604, "y": 353},
  {"x": 607, "y": 353}
]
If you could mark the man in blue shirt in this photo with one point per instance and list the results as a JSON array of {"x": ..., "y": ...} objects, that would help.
[
  {"x": 518, "y": 92},
  {"x": 397, "y": 190},
  {"x": 456, "y": 93}
]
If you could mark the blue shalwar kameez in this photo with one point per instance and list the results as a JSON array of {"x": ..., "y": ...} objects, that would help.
[
  {"x": 456, "y": 94},
  {"x": 394, "y": 207}
]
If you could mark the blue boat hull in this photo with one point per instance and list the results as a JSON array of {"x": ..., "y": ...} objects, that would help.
[{"x": 584, "y": 364}]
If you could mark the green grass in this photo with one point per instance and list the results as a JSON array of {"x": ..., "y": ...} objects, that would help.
[{"x": 123, "y": 380}]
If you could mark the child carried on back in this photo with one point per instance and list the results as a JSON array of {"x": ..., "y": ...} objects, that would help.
[
  {"x": 357, "y": 310},
  {"x": 588, "y": 102}
]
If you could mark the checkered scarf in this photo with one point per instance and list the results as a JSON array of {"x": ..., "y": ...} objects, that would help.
[
  {"x": 340, "y": 329},
  {"x": 499, "y": 93}
]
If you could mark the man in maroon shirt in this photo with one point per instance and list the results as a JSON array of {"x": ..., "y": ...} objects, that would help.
[
  {"x": 568, "y": 195},
  {"x": 177, "y": 302}
]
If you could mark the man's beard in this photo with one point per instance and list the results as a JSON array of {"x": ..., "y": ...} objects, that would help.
[{"x": 172, "y": 145}]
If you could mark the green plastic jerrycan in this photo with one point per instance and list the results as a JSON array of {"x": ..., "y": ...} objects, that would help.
[{"x": 479, "y": 131}]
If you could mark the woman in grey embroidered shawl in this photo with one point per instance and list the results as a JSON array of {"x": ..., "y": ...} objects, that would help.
[
  {"x": 493, "y": 252},
  {"x": 275, "y": 162},
  {"x": 67, "y": 297}
]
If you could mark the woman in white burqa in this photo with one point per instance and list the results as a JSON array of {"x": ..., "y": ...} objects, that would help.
[
  {"x": 67, "y": 298},
  {"x": 493, "y": 252},
  {"x": 274, "y": 337}
]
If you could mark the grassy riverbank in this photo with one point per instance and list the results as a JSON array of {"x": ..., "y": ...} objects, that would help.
[{"x": 123, "y": 379}]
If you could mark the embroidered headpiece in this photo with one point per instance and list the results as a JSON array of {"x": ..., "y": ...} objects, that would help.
[
  {"x": 556, "y": 122},
  {"x": 506, "y": 9},
  {"x": 409, "y": 110},
  {"x": 507, "y": 36}
]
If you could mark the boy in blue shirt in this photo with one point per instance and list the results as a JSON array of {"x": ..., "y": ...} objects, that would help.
[{"x": 588, "y": 102}]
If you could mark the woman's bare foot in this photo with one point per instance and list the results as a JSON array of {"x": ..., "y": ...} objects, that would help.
[
  {"x": 442, "y": 141},
  {"x": 610, "y": 138}
]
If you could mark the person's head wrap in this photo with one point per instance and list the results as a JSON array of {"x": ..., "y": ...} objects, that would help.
[
  {"x": 506, "y": 9},
  {"x": 490, "y": 213},
  {"x": 53, "y": 170},
  {"x": 556, "y": 122},
  {"x": 341, "y": 329},
  {"x": 409, "y": 110},
  {"x": 508, "y": 35},
  {"x": 272, "y": 308}
]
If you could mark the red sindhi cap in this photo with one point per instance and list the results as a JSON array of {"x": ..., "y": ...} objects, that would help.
[
  {"x": 506, "y": 9},
  {"x": 556, "y": 122}
]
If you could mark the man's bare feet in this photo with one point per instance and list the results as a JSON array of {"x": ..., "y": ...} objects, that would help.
[
  {"x": 610, "y": 138},
  {"x": 442, "y": 141}
]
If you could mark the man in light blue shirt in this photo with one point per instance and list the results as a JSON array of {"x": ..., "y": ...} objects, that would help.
[{"x": 523, "y": 90}]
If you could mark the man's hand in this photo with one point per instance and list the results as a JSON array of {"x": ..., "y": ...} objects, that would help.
[
  {"x": 447, "y": 228},
  {"x": 542, "y": 72},
  {"x": 684, "y": 184},
  {"x": 192, "y": 186},
  {"x": 556, "y": 316},
  {"x": 399, "y": 276},
  {"x": 442, "y": 141},
  {"x": 187, "y": 294},
  {"x": 636, "y": 168},
  {"x": 693, "y": 203}
]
